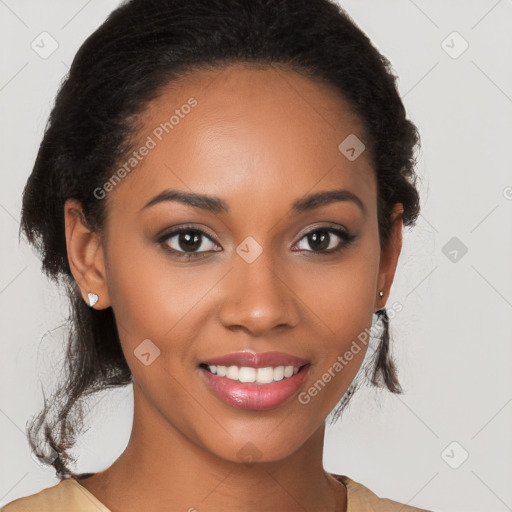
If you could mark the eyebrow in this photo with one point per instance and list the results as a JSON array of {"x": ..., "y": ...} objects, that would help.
[{"x": 218, "y": 205}]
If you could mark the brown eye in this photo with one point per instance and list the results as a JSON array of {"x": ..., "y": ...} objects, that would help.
[
  {"x": 322, "y": 241},
  {"x": 187, "y": 242}
]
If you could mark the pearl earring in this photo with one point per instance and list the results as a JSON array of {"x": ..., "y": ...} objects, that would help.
[
  {"x": 381, "y": 294},
  {"x": 93, "y": 298}
]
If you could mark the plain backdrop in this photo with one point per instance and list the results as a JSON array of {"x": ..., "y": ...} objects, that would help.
[{"x": 446, "y": 443}]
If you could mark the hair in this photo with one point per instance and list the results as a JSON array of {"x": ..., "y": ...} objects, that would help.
[{"x": 141, "y": 47}]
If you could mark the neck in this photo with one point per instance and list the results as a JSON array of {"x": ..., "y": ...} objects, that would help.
[{"x": 176, "y": 473}]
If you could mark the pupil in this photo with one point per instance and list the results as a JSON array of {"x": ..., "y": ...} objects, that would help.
[
  {"x": 191, "y": 242},
  {"x": 319, "y": 240}
]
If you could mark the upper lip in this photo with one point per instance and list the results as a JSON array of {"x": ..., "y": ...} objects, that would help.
[{"x": 253, "y": 360}]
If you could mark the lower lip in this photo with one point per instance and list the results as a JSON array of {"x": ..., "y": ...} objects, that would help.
[{"x": 257, "y": 397}]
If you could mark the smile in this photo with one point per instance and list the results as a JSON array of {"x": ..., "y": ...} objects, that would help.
[
  {"x": 254, "y": 388},
  {"x": 257, "y": 375}
]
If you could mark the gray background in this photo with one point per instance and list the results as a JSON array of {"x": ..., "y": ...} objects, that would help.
[{"x": 453, "y": 338}]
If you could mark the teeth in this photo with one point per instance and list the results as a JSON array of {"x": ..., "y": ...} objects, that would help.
[
  {"x": 246, "y": 374},
  {"x": 258, "y": 375},
  {"x": 279, "y": 373},
  {"x": 288, "y": 371}
]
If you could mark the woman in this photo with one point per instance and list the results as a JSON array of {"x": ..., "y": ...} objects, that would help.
[{"x": 222, "y": 187}]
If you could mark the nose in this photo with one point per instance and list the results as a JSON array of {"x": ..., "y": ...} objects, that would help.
[{"x": 258, "y": 297}]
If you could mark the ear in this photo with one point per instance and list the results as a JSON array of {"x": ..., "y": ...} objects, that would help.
[
  {"x": 85, "y": 255},
  {"x": 389, "y": 256}
]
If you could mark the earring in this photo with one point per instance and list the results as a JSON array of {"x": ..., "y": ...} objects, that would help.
[
  {"x": 381, "y": 294},
  {"x": 93, "y": 298}
]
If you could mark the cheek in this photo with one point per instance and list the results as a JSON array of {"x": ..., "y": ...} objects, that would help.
[
  {"x": 340, "y": 301},
  {"x": 150, "y": 296},
  {"x": 144, "y": 286},
  {"x": 342, "y": 296}
]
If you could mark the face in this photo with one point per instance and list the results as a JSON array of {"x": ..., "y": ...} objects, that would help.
[{"x": 257, "y": 268}]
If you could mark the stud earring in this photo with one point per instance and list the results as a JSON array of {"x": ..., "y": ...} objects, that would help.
[
  {"x": 93, "y": 298},
  {"x": 381, "y": 294}
]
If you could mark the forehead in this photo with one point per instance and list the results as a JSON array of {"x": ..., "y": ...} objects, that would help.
[{"x": 246, "y": 127}]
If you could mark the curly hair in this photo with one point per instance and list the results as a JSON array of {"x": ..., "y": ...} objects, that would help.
[{"x": 141, "y": 47}]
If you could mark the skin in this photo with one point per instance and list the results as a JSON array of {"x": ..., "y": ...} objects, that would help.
[{"x": 259, "y": 138}]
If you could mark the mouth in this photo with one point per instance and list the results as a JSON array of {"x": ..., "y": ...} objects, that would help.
[
  {"x": 250, "y": 388},
  {"x": 249, "y": 374}
]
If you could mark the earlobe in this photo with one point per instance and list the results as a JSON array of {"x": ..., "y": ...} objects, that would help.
[{"x": 85, "y": 256}]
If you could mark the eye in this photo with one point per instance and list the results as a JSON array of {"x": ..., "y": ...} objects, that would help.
[
  {"x": 322, "y": 242},
  {"x": 187, "y": 242}
]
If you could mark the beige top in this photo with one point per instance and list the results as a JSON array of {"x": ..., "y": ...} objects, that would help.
[{"x": 69, "y": 496}]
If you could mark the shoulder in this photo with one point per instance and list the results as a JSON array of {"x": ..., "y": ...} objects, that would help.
[
  {"x": 362, "y": 499},
  {"x": 65, "y": 496}
]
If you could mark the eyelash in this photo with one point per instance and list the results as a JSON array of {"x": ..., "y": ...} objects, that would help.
[{"x": 347, "y": 239}]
